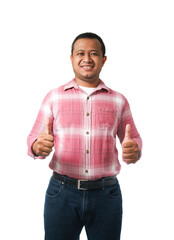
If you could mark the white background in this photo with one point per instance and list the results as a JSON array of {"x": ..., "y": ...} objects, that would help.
[{"x": 35, "y": 43}]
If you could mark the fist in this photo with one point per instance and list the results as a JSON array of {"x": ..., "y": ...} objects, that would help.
[
  {"x": 45, "y": 142},
  {"x": 129, "y": 147}
]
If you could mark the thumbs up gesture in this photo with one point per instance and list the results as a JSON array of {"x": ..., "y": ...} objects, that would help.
[
  {"x": 45, "y": 142},
  {"x": 129, "y": 147}
]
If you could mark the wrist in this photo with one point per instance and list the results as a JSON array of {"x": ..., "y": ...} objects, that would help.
[{"x": 33, "y": 148}]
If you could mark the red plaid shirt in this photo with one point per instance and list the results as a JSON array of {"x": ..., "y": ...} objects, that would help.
[{"x": 85, "y": 129}]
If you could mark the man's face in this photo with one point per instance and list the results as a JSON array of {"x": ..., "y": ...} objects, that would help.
[{"x": 87, "y": 59}]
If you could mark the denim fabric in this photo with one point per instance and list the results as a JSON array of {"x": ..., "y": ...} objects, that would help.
[{"x": 68, "y": 210}]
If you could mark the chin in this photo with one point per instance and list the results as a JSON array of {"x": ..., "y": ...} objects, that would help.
[{"x": 89, "y": 77}]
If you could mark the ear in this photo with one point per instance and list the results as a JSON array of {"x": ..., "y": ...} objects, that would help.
[
  {"x": 71, "y": 57},
  {"x": 104, "y": 59}
]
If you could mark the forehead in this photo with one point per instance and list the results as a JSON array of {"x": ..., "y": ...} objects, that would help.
[{"x": 87, "y": 44}]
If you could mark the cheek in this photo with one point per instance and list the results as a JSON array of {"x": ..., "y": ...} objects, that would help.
[
  {"x": 99, "y": 66},
  {"x": 99, "y": 63},
  {"x": 75, "y": 66},
  {"x": 77, "y": 63}
]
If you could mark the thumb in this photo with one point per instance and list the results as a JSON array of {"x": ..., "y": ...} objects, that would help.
[
  {"x": 127, "y": 132},
  {"x": 48, "y": 126}
]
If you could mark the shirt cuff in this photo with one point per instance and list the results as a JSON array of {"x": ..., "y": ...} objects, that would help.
[{"x": 30, "y": 151}]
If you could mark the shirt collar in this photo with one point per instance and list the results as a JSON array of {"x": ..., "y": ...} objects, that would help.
[{"x": 73, "y": 84}]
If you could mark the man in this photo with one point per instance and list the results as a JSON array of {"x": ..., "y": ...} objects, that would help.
[{"x": 81, "y": 120}]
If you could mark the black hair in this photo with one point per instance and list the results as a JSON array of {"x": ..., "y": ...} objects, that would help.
[{"x": 89, "y": 35}]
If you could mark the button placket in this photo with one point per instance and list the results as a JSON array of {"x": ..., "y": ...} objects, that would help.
[{"x": 87, "y": 133}]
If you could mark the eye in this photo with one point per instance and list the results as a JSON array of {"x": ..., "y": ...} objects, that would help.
[
  {"x": 94, "y": 54},
  {"x": 80, "y": 53}
]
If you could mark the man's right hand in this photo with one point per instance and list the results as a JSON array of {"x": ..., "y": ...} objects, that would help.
[{"x": 45, "y": 142}]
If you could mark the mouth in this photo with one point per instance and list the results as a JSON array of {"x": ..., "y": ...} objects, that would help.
[{"x": 87, "y": 67}]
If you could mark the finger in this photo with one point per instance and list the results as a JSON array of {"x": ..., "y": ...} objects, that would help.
[
  {"x": 49, "y": 138},
  {"x": 45, "y": 137},
  {"x": 47, "y": 149},
  {"x": 48, "y": 144},
  {"x": 131, "y": 161},
  {"x": 129, "y": 150},
  {"x": 132, "y": 156},
  {"x": 128, "y": 144},
  {"x": 44, "y": 154},
  {"x": 127, "y": 132}
]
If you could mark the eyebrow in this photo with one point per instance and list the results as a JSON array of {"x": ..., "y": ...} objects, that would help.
[{"x": 84, "y": 50}]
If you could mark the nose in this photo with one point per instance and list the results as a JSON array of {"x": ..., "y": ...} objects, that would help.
[{"x": 87, "y": 57}]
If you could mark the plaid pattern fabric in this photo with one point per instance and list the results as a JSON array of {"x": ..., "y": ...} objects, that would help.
[{"x": 85, "y": 129}]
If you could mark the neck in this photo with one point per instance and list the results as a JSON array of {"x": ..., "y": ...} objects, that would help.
[{"x": 87, "y": 83}]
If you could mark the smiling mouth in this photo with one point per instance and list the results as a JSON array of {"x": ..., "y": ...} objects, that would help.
[{"x": 87, "y": 67}]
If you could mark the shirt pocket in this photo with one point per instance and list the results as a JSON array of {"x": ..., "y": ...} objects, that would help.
[{"x": 105, "y": 117}]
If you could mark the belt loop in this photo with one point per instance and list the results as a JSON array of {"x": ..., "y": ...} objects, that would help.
[
  {"x": 64, "y": 182},
  {"x": 103, "y": 183}
]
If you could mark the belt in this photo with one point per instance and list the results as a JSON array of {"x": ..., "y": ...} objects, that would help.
[{"x": 86, "y": 184}]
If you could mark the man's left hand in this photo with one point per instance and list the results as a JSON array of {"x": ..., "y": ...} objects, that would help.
[{"x": 129, "y": 147}]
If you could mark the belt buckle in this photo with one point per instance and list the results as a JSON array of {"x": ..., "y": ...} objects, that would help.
[{"x": 78, "y": 185}]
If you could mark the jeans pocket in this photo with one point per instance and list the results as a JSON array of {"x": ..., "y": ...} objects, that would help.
[
  {"x": 54, "y": 188},
  {"x": 114, "y": 191}
]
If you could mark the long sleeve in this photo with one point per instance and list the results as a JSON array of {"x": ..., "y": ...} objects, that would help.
[
  {"x": 40, "y": 124},
  {"x": 126, "y": 118}
]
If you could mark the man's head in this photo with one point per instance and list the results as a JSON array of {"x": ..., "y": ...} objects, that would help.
[
  {"x": 89, "y": 35},
  {"x": 88, "y": 58}
]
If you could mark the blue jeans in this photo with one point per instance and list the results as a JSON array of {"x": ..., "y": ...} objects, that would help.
[{"x": 68, "y": 210}]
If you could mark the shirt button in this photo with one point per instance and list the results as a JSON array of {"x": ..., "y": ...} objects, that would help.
[
  {"x": 87, "y": 114},
  {"x": 87, "y": 98},
  {"x": 87, "y": 132},
  {"x": 87, "y": 151},
  {"x": 86, "y": 171}
]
